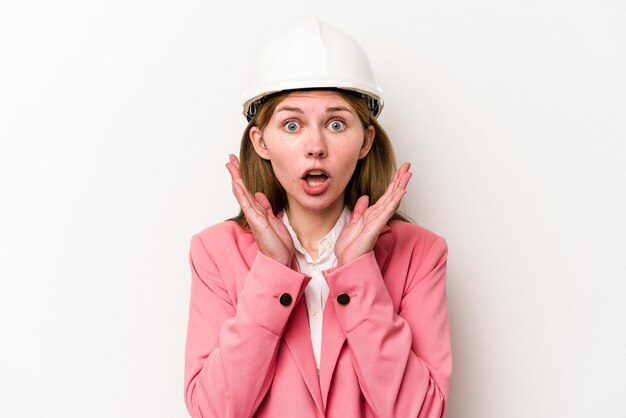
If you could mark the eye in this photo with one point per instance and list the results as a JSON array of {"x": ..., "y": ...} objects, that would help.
[
  {"x": 337, "y": 125},
  {"x": 291, "y": 126}
]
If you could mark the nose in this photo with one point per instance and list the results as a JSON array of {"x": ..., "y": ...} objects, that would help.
[{"x": 315, "y": 145}]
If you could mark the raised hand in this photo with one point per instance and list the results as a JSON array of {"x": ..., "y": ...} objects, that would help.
[
  {"x": 360, "y": 234},
  {"x": 270, "y": 233}
]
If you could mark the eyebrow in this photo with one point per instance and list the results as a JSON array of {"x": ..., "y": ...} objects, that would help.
[
  {"x": 328, "y": 109},
  {"x": 338, "y": 109}
]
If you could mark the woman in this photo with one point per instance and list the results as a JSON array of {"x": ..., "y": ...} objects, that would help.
[{"x": 318, "y": 299}]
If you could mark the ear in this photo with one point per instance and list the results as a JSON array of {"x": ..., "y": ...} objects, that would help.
[
  {"x": 256, "y": 137},
  {"x": 368, "y": 140}
]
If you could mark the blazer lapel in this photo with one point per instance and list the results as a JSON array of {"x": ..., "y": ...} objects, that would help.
[
  {"x": 333, "y": 337},
  {"x": 297, "y": 337}
]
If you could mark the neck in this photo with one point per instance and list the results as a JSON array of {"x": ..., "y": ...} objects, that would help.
[{"x": 310, "y": 226}]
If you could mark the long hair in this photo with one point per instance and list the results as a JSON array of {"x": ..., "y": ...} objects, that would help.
[{"x": 371, "y": 177}]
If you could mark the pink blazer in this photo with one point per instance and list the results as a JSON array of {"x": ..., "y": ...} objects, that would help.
[{"x": 385, "y": 348}]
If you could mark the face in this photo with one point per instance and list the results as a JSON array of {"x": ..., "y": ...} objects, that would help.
[{"x": 314, "y": 140}]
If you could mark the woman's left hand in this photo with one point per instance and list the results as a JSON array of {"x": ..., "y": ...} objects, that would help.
[{"x": 360, "y": 234}]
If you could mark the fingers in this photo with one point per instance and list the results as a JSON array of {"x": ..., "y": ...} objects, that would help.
[
  {"x": 270, "y": 233},
  {"x": 399, "y": 180},
  {"x": 235, "y": 174},
  {"x": 252, "y": 209},
  {"x": 276, "y": 224},
  {"x": 234, "y": 167},
  {"x": 246, "y": 204},
  {"x": 389, "y": 202},
  {"x": 265, "y": 204},
  {"x": 360, "y": 207},
  {"x": 399, "y": 189},
  {"x": 233, "y": 159},
  {"x": 404, "y": 175},
  {"x": 398, "y": 183},
  {"x": 242, "y": 194},
  {"x": 400, "y": 176}
]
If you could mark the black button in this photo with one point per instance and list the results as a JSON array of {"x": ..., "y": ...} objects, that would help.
[
  {"x": 343, "y": 299},
  {"x": 285, "y": 299}
]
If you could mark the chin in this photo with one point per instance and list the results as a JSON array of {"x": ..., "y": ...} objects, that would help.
[{"x": 319, "y": 203}]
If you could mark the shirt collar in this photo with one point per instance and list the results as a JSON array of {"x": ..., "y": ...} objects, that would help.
[{"x": 323, "y": 250}]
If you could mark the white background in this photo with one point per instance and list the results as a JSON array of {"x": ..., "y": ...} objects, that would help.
[{"x": 116, "y": 118}]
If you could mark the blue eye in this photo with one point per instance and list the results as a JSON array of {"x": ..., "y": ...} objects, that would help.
[
  {"x": 336, "y": 125},
  {"x": 291, "y": 126}
]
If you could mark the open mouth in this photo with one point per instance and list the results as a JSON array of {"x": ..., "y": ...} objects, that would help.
[{"x": 315, "y": 178}]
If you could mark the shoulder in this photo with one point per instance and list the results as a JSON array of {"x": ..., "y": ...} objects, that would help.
[
  {"x": 220, "y": 238},
  {"x": 409, "y": 241},
  {"x": 414, "y": 250},
  {"x": 414, "y": 235}
]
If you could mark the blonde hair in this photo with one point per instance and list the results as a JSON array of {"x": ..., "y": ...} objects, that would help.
[{"x": 371, "y": 177}]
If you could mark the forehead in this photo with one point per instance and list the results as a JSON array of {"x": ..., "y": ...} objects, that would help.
[{"x": 314, "y": 99}]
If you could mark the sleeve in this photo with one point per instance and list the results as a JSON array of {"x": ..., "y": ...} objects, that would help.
[
  {"x": 231, "y": 348},
  {"x": 403, "y": 360}
]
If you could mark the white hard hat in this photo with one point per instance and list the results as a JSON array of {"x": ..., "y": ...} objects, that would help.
[{"x": 311, "y": 54}]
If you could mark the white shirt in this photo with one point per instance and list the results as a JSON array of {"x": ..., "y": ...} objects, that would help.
[{"x": 317, "y": 290}]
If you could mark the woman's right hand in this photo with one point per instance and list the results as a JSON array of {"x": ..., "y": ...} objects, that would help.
[{"x": 270, "y": 233}]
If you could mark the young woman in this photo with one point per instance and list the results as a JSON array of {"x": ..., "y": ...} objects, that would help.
[{"x": 318, "y": 299}]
